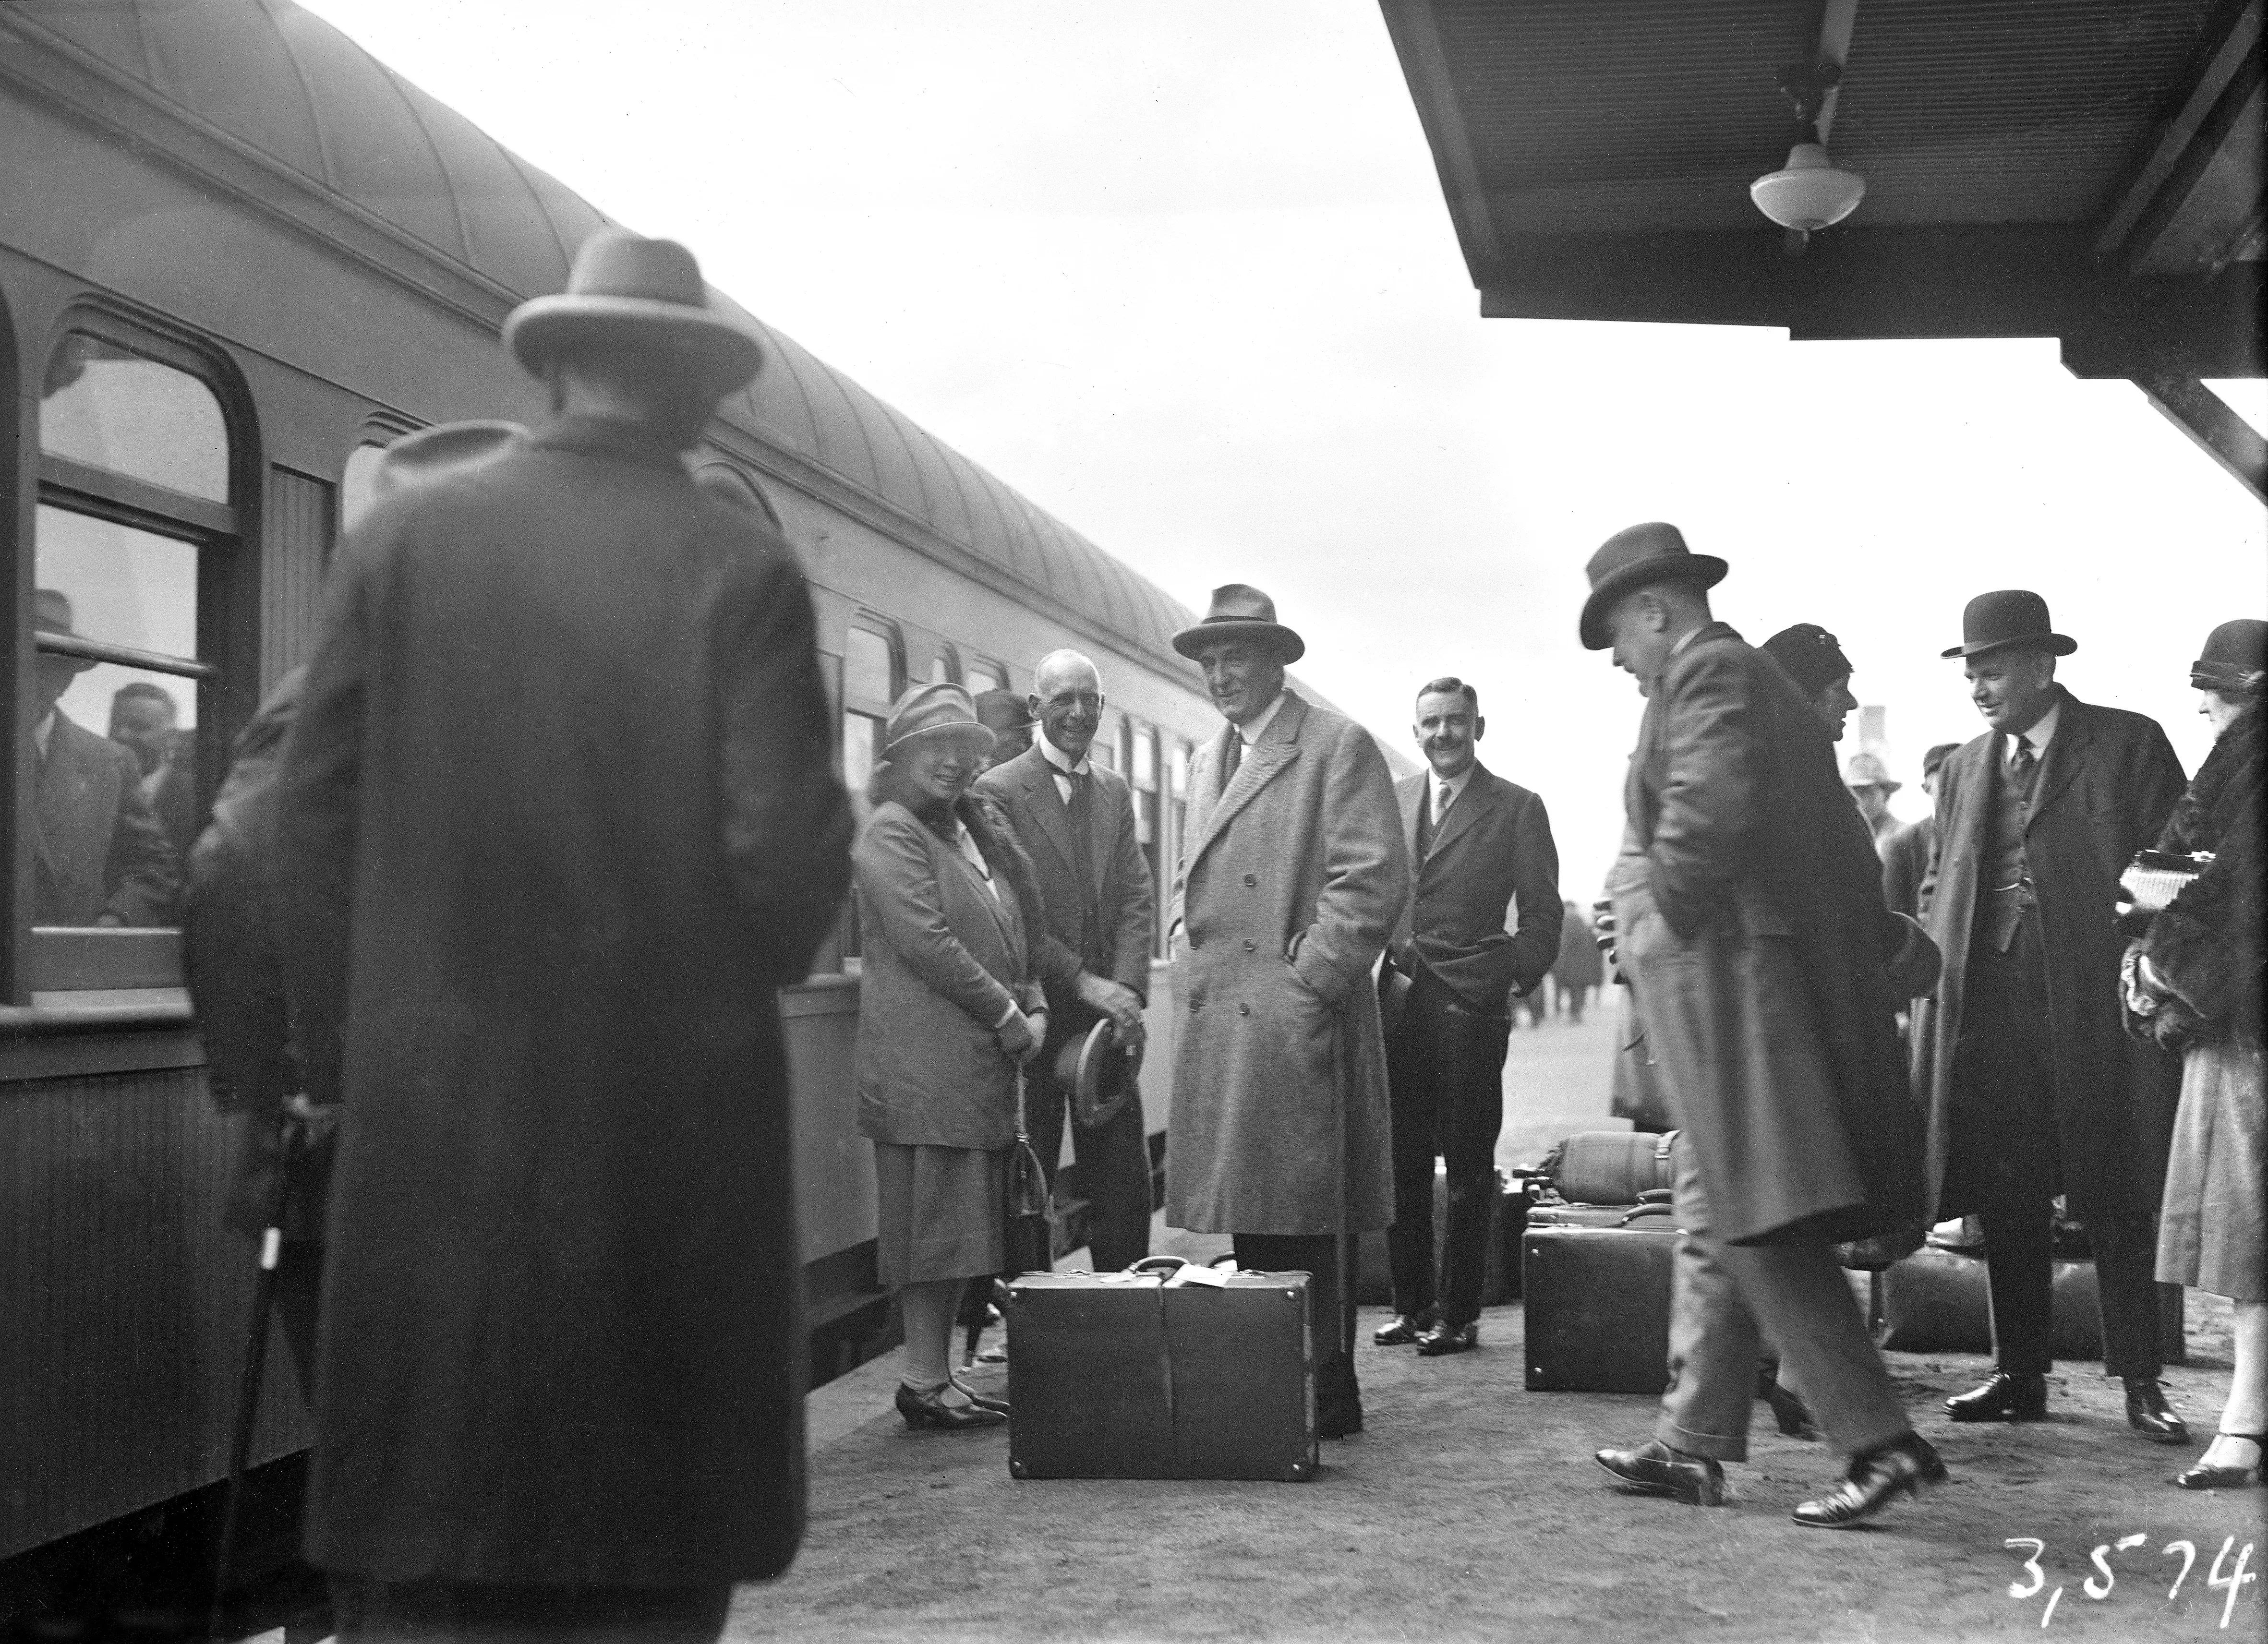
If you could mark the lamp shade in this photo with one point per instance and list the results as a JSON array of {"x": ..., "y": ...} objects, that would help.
[{"x": 1810, "y": 192}]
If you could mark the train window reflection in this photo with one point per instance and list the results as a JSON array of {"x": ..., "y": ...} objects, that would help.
[
  {"x": 125, "y": 586},
  {"x": 110, "y": 407}
]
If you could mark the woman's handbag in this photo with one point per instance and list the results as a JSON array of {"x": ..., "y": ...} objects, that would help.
[
  {"x": 2152, "y": 881},
  {"x": 1027, "y": 1232}
]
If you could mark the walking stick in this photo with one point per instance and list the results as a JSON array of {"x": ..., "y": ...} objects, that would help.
[{"x": 255, "y": 1363}]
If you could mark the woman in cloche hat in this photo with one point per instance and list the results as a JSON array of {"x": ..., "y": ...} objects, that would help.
[
  {"x": 951, "y": 1005},
  {"x": 2194, "y": 982}
]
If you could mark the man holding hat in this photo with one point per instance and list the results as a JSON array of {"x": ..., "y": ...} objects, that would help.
[
  {"x": 1748, "y": 908},
  {"x": 2031, "y": 1088},
  {"x": 100, "y": 855},
  {"x": 1076, "y": 821},
  {"x": 1293, "y": 874},
  {"x": 558, "y": 816}
]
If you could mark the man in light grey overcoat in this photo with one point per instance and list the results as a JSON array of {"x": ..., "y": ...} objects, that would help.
[{"x": 1293, "y": 871}]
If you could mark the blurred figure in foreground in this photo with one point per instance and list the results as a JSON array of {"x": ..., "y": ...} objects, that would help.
[{"x": 559, "y": 816}]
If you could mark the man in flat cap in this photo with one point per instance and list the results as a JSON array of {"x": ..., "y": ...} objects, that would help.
[
  {"x": 1293, "y": 874},
  {"x": 1748, "y": 908},
  {"x": 558, "y": 817},
  {"x": 2031, "y": 1088}
]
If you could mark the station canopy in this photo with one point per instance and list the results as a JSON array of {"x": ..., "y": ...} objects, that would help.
[{"x": 2087, "y": 170}]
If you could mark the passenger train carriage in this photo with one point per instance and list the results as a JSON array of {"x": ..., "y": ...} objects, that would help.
[{"x": 238, "y": 256}]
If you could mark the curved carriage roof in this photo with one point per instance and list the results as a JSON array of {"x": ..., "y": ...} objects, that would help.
[{"x": 287, "y": 84}]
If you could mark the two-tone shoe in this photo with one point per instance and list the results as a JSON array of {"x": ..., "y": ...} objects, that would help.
[
  {"x": 1656, "y": 1469},
  {"x": 2227, "y": 1475},
  {"x": 928, "y": 1410},
  {"x": 2003, "y": 1396},
  {"x": 1902, "y": 1467},
  {"x": 2148, "y": 1414},
  {"x": 1445, "y": 1339},
  {"x": 1401, "y": 1333}
]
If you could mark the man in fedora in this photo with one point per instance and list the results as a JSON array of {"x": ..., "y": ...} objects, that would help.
[
  {"x": 1482, "y": 927},
  {"x": 2031, "y": 1088},
  {"x": 1293, "y": 874},
  {"x": 1005, "y": 715},
  {"x": 1749, "y": 912},
  {"x": 99, "y": 854},
  {"x": 1871, "y": 786},
  {"x": 558, "y": 816},
  {"x": 1076, "y": 821}
]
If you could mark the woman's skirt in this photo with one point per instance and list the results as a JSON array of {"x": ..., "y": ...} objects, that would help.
[
  {"x": 940, "y": 1212},
  {"x": 2210, "y": 1227}
]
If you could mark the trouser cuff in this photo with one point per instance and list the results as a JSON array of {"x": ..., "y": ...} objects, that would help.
[{"x": 1715, "y": 1446}]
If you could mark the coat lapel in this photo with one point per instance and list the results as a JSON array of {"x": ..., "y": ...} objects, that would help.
[
  {"x": 1278, "y": 748},
  {"x": 1479, "y": 796},
  {"x": 2066, "y": 754}
]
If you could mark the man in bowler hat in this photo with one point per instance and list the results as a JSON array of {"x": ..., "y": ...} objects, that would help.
[
  {"x": 1076, "y": 820},
  {"x": 2031, "y": 1088},
  {"x": 1481, "y": 854},
  {"x": 1749, "y": 911},
  {"x": 1293, "y": 874},
  {"x": 558, "y": 817}
]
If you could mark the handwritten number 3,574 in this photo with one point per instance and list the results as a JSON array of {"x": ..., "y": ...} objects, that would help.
[{"x": 2099, "y": 1588}]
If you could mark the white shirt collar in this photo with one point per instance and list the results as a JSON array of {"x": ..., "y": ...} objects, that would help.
[
  {"x": 44, "y": 731},
  {"x": 2042, "y": 729},
  {"x": 1061, "y": 760},
  {"x": 1684, "y": 639},
  {"x": 1253, "y": 728}
]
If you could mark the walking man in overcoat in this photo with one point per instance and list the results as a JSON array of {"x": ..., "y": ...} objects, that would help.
[
  {"x": 1481, "y": 854},
  {"x": 1076, "y": 820},
  {"x": 1751, "y": 924},
  {"x": 2031, "y": 1087},
  {"x": 558, "y": 818},
  {"x": 1293, "y": 874}
]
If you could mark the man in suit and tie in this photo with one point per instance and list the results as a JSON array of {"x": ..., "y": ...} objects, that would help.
[
  {"x": 1076, "y": 820},
  {"x": 1482, "y": 927},
  {"x": 2031, "y": 1088},
  {"x": 1292, "y": 873}
]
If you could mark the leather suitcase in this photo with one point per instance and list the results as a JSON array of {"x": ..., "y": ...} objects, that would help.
[
  {"x": 1938, "y": 1300},
  {"x": 1597, "y": 1299},
  {"x": 1122, "y": 1377},
  {"x": 1613, "y": 1167},
  {"x": 1374, "y": 1274}
]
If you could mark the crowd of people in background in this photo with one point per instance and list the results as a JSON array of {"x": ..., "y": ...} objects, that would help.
[{"x": 495, "y": 903}]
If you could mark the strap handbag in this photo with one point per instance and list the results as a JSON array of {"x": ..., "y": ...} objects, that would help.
[{"x": 1028, "y": 1231}]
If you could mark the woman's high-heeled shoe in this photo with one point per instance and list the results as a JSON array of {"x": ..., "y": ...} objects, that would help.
[
  {"x": 982, "y": 1401},
  {"x": 2204, "y": 1477},
  {"x": 928, "y": 1410}
]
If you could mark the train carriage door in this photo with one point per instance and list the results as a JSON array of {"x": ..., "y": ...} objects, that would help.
[{"x": 133, "y": 538}]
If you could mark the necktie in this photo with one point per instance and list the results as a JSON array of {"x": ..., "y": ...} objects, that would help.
[
  {"x": 1235, "y": 755},
  {"x": 1441, "y": 799},
  {"x": 1082, "y": 852},
  {"x": 2022, "y": 762}
]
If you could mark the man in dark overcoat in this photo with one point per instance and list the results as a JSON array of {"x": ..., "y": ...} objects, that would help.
[
  {"x": 1076, "y": 820},
  {"x": 2031, "y": 1088},
  {"x": 1481, "y": 928},
  {"x": 1292, "y": 876},
  {"x": 1761, "y": 956},
  {"x": 559, "y": 817}
]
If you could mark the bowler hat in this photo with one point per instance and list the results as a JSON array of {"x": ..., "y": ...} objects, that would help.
[
  {"x": 2008, "y": 616},
  {"x": 1098, "y": 1073},
  {"x": 626, "y": 292},
  {"x": 1636, "y": 557},
  {"x": 1241, "y": 611},
  {"x": 1813, "y": 657},
  {"x": 2235, "y": 658},
  {"x": 1867, "y": 770},
  {"x": 51, "y": 613},
  {"x": 935, "y": 710}
]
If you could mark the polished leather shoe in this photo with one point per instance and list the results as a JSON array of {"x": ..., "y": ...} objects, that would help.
[
  {"x": 2148, "y": 1414},
  {"x": 2004, "y": 1396},
  {"x": 1449, "y": 1338},
  {"x": 982, "y": 1401},
  {"x": 2225, "y": 1478},
  {"x": 1877, "y": 1477},
  {"x": 1658, "y": 1470},
  {"x": 927, "y": 1410},
  {"x": 1403, "y": 1331}
]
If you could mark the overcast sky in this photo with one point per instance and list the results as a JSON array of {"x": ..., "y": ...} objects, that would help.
[{"x": 1180, "y": 271}]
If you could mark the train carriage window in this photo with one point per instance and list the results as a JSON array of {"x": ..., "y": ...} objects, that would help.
[
  {"x": 130, "y": 530},
  {"x": 1104, "y": 749},
  {"x": 1177, "y": 812},
  {"x": 986, "y": 676},
  {"x": 1143, "y": 769},
  {"x": 940, "y": 669},
  {"x": 872, "y": 676}
]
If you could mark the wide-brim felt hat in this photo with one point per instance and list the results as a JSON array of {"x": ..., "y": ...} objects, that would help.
[
  {"x": 626, "y": 292},
  {"x": 1636, "y": 557},
  {"x": 1867, "y": 770},
  {"x": 1239, "y": 611},
  {"x": 2008, "y": 616},
  {"x": 2235, "y": 658},
  {"x": 1098, "y": 1073},
  {"x": 51, "y": 613},
  {"x": 928, "y": 713}
]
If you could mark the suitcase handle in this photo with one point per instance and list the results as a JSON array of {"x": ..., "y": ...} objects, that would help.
[{"x": 1645, "y": 1210}]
